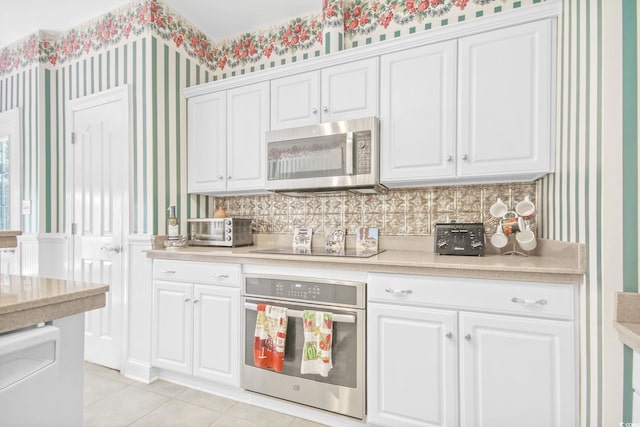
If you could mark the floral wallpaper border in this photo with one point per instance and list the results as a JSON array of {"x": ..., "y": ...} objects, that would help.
[{"x": 359, "y": 18}]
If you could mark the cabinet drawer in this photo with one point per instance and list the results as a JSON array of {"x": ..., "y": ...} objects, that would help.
[
  {"x": 523, "y": 298},
  {"x": 197, "y": 272}
]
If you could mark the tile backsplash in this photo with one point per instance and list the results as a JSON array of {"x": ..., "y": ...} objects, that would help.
[{"x": 401, "y": 212}]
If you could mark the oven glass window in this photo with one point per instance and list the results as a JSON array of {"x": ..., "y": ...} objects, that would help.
[{"x": 344, "y": 350}]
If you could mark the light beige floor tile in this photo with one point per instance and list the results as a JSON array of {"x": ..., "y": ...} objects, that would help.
[
  {"x": 162, "y": 387},
  {"x": 211, "y": 401},
  {"x": 260, "y": 416},
  {"x": 229, "y": 421},
  {"x": 176, "y": 413},
  {"x": 123, "y": 408},
  {"x": 112, "y": 374},
  {"x": 97, "y": 388},
  {"x": 299, "y": 422}
]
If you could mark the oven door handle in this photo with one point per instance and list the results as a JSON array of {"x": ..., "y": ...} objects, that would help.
[{"x": 341, "y": 318}]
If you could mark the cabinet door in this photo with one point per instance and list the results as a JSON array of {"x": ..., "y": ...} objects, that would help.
[
  {"x": 215, "y": 330},
  {"x": 172, "y": 329},
  {"x": 517, "y": 371},
  {"x": 247, "y": 122},
  {"x": 295, "y": 100},
  {"x": 207, "y": 137},
  {"x": 505, "y": 97},
  {"x": 417, "y": 115},
  {"x": 350, "y": 91},
  {"x": 412, "y": 366}
]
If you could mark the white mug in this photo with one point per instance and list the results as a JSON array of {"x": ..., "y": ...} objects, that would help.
[
  {"x": 498, "y": 209},
  {"x": 526, "y": 209},
  {"x": 499, "y": 240},
  {"x": 527, "y": 239}
]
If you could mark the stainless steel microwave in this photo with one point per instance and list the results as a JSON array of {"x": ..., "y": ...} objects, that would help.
[
  {"x": 342, "y": 155},
  {"x": 229, "y": 232}
]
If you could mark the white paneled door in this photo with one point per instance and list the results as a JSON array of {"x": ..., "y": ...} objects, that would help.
[{"x": 97, "y": 176}]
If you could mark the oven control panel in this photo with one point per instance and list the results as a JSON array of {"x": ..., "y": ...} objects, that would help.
[
  {"x": 319, "y": 291},
  {"x": 305, "y": 291}
]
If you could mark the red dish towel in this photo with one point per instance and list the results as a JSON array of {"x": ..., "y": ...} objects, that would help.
[{"x": 270, "y": 336}]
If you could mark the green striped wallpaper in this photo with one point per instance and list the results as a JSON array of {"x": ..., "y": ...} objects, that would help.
[{"x": 156, "y": 73}]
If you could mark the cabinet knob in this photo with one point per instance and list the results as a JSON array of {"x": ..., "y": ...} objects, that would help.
[
  {"x": 467, "y": 337},
  {"x": 195, "y": 301},
  {"x": 228, "y": 176},
  {"x": 187, "y": 299},
  {"x": 220, "y": 276},
  {"x": 449, "y": 335},
  {"x": 314, "y": 110},
  {"x": 220, "y": 177},
  {"x": 325, "y": 109},
  {"x": 449, "y": 158},
  {"x": 465, "y": 157}
]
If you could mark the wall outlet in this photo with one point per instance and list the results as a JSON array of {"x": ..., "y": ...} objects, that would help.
[{"x": 26, "y": 207}]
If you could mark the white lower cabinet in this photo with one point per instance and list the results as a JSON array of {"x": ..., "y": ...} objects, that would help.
[
  {"x": 436, "y": 359},
  {"x": 412, "y": 366},
  {"x": 516, "y": 371},
  {"x": 195, "y": 326}
]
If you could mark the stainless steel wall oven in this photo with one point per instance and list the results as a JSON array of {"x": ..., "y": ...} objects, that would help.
[{"x": 343, "y": 390}]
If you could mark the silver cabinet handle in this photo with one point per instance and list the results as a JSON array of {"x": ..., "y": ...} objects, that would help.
[
  {"x": 529, "y": 301},
  {"x": 114, "y": 249},
  {"x": 399, "y": 291},
  {"x": 228, "y": 176},
  {"x": 449, "y": 158},
  {"x": 187, "y": 299},
  {"x": 325, "y": 109},
  {"x": 220, "y": 276},
  {"x": 464, "y": 157},
  {"x": 220, "y": 177},
  {"x": 168, "y": 271},
  {"x": 314, "y": 110},
  {"x": 449, "y": 335},
  {"x": 467, "y": 337},
  {"x": 195, "y": 301}
]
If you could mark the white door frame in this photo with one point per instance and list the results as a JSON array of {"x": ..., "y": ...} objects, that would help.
[{"x": 120, "y": 93}]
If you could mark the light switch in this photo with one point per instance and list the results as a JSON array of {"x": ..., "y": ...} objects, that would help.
[{"x": 26, "y": 207}]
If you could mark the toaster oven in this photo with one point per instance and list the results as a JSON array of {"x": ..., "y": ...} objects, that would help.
[{"x": 230, "y": 232}]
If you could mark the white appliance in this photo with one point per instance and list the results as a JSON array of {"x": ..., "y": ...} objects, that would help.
[{"x": 38, "y": 384}]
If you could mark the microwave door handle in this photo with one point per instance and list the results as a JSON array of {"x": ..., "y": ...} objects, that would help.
[
  {"x": 349, "y": 154},
  {"x": 343, "y": 318}
]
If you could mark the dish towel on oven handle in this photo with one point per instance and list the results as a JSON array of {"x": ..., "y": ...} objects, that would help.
[
  {"x": 318, "y": 331},
  {"x": 270, "y": 336}
]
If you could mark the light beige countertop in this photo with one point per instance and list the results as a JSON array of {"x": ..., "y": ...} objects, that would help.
[
  {"x": 552, "y": 262},
  {"x": 627, "y": 319},
  {"x": 26, "y": 301}
]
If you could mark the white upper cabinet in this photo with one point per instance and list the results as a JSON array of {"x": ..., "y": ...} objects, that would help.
[
  {"x": 227, "y": 140},
  {"x": 207, "y": 149},
  {"x": 494, "y": 124},
  {"x": 247, "y": 123},
  {"x": 417, "y": 110},
  {"x": 505, "y": 102},
  {"x": 341, "y": 92}
]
